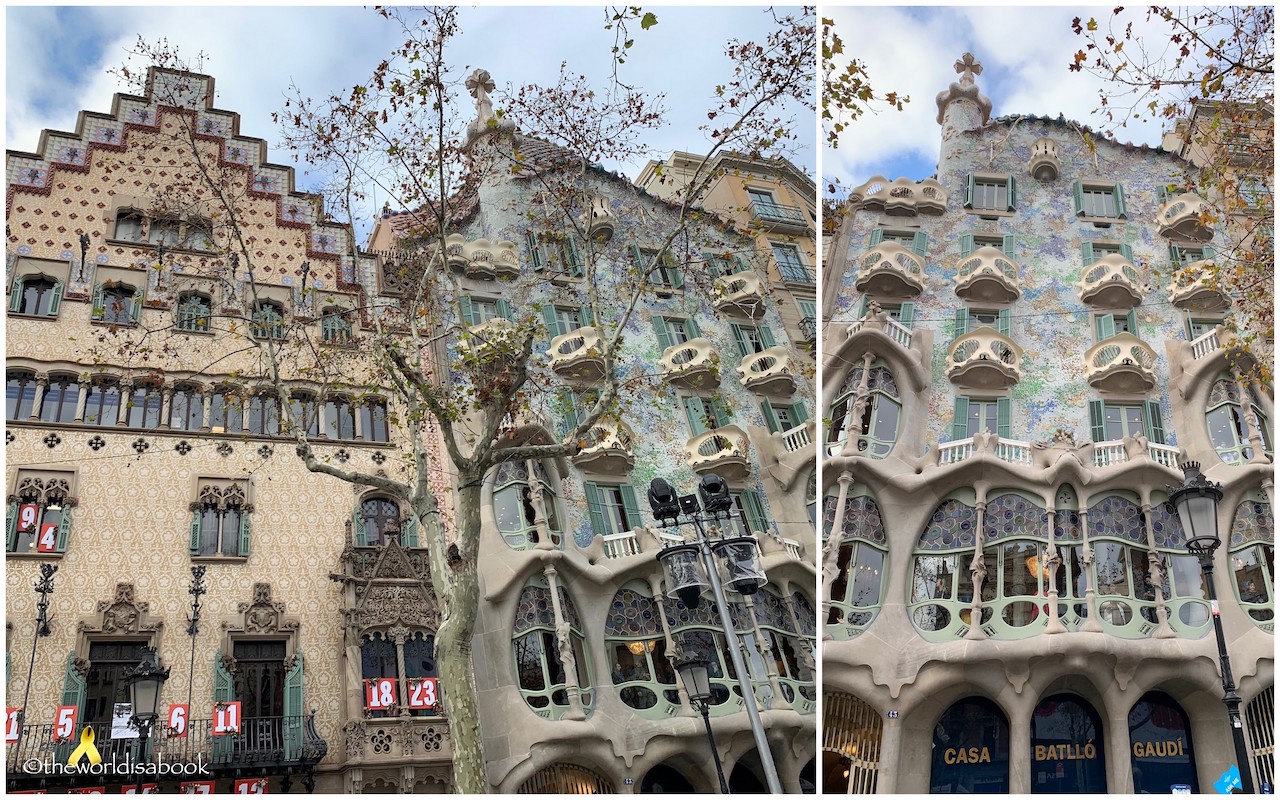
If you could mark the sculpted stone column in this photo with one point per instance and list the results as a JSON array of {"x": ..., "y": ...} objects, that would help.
[
  {"x": 1090, "y": 593},
  {"x": 564, "y": 643},
  {"x": 82, "y": 397},
  {"x": 1155, "y": 570},
  {"x": 42, "y": 385},
  {"x": 830, "y": 558},
  {"x": 978, "y": 568}
]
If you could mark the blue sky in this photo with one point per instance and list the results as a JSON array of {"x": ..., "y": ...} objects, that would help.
[
  {"x": 57, "y": 58},
  {"x": 1024, "y": 52}
]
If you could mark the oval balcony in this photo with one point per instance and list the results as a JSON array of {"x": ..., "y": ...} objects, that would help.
[
  {"x": 491, "y": 338},
  {"x": 1044, "y": 164},
  {"x": 480, "y": 259},
  {"x": 455, "y": 255},
  {"x": 769, "y": 371},
  {"x": 599, "y": 221},
  {"x": 902, "y": 197},
  {"x": 1193, "y": 290},
  {"x": 890, "y": 270},
  {"x": 1111, "y": 282},
  {"x": 984, "y": 359},
  {"x": 692, "y": 364},
  {"x": 506, "y": 260},
  {"x": 1122, "y": 363},
  {"x": 987, "y": 275},
  {"x": 607, "y": 448},
  {"x": 1186, "y": 215},
  {"x": 578, "y": 354},
  {"x": 724, "y": 451},
  {"x": 741, "y": 294}
]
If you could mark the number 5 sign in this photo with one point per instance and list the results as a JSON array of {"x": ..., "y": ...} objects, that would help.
[
  {"x": 64, "y": 724},
  {"x": 423, "y": 692},
  {"x": 379, "y": 693}
]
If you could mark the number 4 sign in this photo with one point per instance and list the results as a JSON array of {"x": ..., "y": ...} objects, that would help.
[
  {"x": 379, "y": 693},
  {"x": 423, "y": 693},
  {"x": 48, "y": 540}
]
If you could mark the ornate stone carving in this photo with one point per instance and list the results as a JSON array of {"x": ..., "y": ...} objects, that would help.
[
  {"x": 479, "y": 84},
  {"x": 353, "y": 736},
  {"x": 388, "y": 604},
  {"x": 264, "y": 615}
]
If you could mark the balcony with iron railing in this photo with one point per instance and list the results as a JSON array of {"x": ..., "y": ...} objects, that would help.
[
  {"x": 808, "y": 329},
  {"x": 1186, "y": 215},
  {"x": 778, "y": 217},
  {"x": 770, "y": 371},
  {"x": 578, "y": 354},
  {"x": 890, "y": 270},
  {"x": 1194, "y": 289},
  {"x": 1121, "y": 363},
  {"x": 268, "y": 745},
  {"x": 724, "y": 451},
  {"x": 1111, "y": 282},
  {"x": 740, "y": 294},
  {"x": 988, "y": 275},
  {"x": 607, "y": 448},
  {"x": 984, "y": 359},
  {"x": 693, "y": 364}
]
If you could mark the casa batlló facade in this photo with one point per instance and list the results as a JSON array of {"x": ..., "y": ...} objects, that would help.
[{"x": 1012, "y": 383}]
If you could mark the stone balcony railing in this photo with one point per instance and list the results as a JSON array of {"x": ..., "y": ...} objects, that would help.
[
  {"x": 608, "y": 448},
  {"x": 599, "y": 221},
  {"x": 1025, "y": 454},
  {"x": 902, "y": 197},
  {"x": 891, "y": 327},
  {"x": 1106, "y": 454},
  {"x": 741, "y": 294},
  {"x": 490, "y": 338},
  {"x": 1044, "y": 164},
  {"x": 724, "y": 451},
  {"x": 1186, "y": 215},
  {"x": 984, "y": 359},
  {"x": 1122, "y": 363},
  {"x": 1193, "y": 289},
  {"x": 398, "y": 740},
  {"x": 1111, "y": 282},
  {"x": 481, "y": 258},
  {"x": 890, "y": 270},
  {"x": 1207, "y": 344},
  {"x": 578, "y": 354},
  {"x": 770, "y": 371},
  {"x": 692, "y": 364},
  {"x": 987, "y": 275}
]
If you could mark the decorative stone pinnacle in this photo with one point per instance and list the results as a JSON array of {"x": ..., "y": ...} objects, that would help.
[
  {"x": 968, "y": 66},
  {"x": 479, "y": 83},
  {"x": 965, "y": 89}
]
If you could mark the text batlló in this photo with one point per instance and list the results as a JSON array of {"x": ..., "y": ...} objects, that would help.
[
  {"x": 967, "y": 755},
  {"x": 1066, "y": 752},
  {"x": 1152, "y": 749}
]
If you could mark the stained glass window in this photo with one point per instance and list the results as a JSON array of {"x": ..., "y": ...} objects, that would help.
[
  {"x": 1253, "y": 558},
  {"x": 540, "y": 656}
]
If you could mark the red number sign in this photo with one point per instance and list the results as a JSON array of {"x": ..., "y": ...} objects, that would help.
[
  {"x": 423, "y": 692},
  {"x": 178, "y": 715},
  {"x": 147, "y": 788},
  {"x": 226, "y": 718},
  {"x": 251, "y": 786},
  {"x": 47, "y": 542},
  {"x": 12, "y": 731},
  {"x": 196, "y": 787},
  {"x": 64, "y": 723},
  {"x": 28, "y": 516},
  {"x": 90, "y": 790},
  {"x": 379, "y": 693}
]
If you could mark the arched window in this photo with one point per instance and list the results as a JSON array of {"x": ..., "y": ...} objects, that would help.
[
  {"x": 515, "y": 486},
  {"x": 782, "y": 644},
  {"x": 60, "y": 399},
  {"x": 226, "y": 410},
  {"x": 186, "y": 408},
  {"x": 540, "y": 657},
  {"x": 373, "y": 420},
  {"x": 20, "y": 394},
  {"x": 264, "y": 415},
  {"x": 1062, "y": 761},
  {"x": 221, "y": 523},
  {"x": 335, "y": 328},
  {"x": 380, "y": 657},
  {"x": 700, "y": 629},
  {"x": 876, "y": 430},
  {"x": 1259, "y": 715},
  {"x": 268, "y": 320},
  {"x": 340, "y": 419},
  {"x": 851, "y": 734},
  {"x": 145, "y": 406},
  {"x": 971, "y": 749},
  {"x": 195, "y": 312},
  {"x": 1253, "y": 558},
  {"x": 1015, "y": 549},
  {"x": 116, "y": 303},
  {"x": 941, "y": 583},
  {"x": 565, "y": 779},
  {"x": 1227, "y": 428},
  {"x": 305, "y": 411},
  {"x": 102, "y": 405},
  {"x": 641, "y": 669},
  {"x": 35, "y": 296},
  {"x": 856, "y": 594},
  {"x": 1160, "y": 745},
  {"x": 375, "y": 517},
  {"x": 129, "y": 225},
  {"x": 39, "y": 515}
]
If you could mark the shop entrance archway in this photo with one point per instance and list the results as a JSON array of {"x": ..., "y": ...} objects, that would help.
[
  {"x": 1160, "y": 750},
  {"x": 1067, "y": 753},
  {"x": 971, "y": 749}
]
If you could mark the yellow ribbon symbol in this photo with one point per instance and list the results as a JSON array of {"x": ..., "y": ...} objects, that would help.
[{"x": 85, "y": 748}]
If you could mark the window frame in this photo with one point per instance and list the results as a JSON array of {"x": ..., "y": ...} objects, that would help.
[
  {"x": 191, "y": 320},
  {"x": 794, "y": 268},
  {"x": 27, "y": 385},
  {"x": 335, "y": 328},
  {"x": 1088, "y": 187},
  {"x": 268, "y": 320},
  {"x": 612, "y": 508},
  {"x": 50, "y": 492},
  {"x": 996, "y": 182},
  {"x": 51, "y": 289},
  {"x": 220, "y": 520}
]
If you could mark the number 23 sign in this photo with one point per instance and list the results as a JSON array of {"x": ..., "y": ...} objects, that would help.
[{"x": 380, "y": 693}]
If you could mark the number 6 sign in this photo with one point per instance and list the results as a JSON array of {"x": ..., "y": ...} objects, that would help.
[
  {"x": 379, "y": 693},
  {"x": 423, "y": 692},
  {"x": 177, "y": 723}
]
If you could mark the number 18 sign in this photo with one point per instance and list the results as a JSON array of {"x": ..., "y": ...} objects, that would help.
[{"x": 379, "y": 693}]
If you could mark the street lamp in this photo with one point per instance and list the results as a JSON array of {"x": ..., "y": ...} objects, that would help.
[
  {"x": 44, "y": 588},
  {"x": 144, "y": 682},
  {"x": 1196, "y": 502},
  {"x": 686, "y": 578},
  {"x": 693, "y": 663}
]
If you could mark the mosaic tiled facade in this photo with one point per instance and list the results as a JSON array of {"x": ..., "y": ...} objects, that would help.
[{"x": 1048, "y": 377}]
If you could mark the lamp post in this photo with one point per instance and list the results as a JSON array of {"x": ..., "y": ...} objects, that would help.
[
  {"x": 1196, "y": 502},
  {"x": 198, "y": 587},
  {"x": 144, "y": 682},
  {"x": 693, "y": 664},
  {"x": 686, "y": 577},
  {"x": 44, "y": 588}
]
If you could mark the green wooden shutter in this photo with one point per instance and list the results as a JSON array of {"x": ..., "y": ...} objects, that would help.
[
  {"x": 691, "y": 328},
  {"x": 575, "y": 263},
  {"x": 293, "y": 710},
  {"x": 535, "y": 254},
  {"x": 866, "y": 305},
  {"x": 467, "y": 316},
  {"x": 1002, "y": 321},
  {"x": 1121, "y": 212},
  {"x": 245, "y": 529},
  {"x": 630, "y": 506},
  {"x": 961, "y": 323},
  {"x": 907, "y": 315},
  {"x": 740, "y": 339},
  {"x": 1013, "y": 193},
  {"x": 595, "y": 508},
  {"x": 1004, "y": 418},
  {"x": 135, "y": 312},
  {"x": 15, "y": 298},
  {"x": 1086, "y": 253},
  {"x": 968, "y": 191},
  {"x": 920, "y": 244},
  {"x": 695, "y": 412},
  {"x": 193, "y": 540},
  {"x": 675, "y": 271},
  {"x": 73, "y": 687},
  {"x": 1154, "y": 422},
  {"x": 224, "y": 691},
  {"x": 588, "y": 318},
  {"x": 1098, "y": 420},
  {"x": 721, "y": 412},
  {"x": 756, "y": 519},
  {"x": 799, "y": 412},
  {"x": 64, "y": 529},
  {"x": 1132, "y": 319},
  {"x": 966, "y": 244},
  {"x": 960, "y": 422},
  {"x": 660, "y": 329},
  {"x": 1010, "y": 243},
  {"x": 637, "y": 257},
  {"x": 55, "y": 299},
  {"x": 1175, "y": 255},
  {"x": 357, "y": 528},
  {"x": 712, "y": 263},
  {"x": 766, "y": 336},
  {"x": 1104, "y": 326},
  {"x": 1206, "y": 252},
  {"x": 549, "y": 317},
  {"x": 877, "y": 236},
  {"x": 770, "y": 418},
  {"x": 409, "y": 534},
  {"x": 1127, "y": 252},
  {"x": 11, "y": 533},
  {"x": 1162, "y": 194},
  {"x": 504, "y": 308},
  {"x": 1077, "y": 191},
  {"x": 99, "y": 302}
]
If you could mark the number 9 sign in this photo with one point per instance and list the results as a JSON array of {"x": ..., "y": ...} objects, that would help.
[
  {"x": 28, "y": 515},
  {"x": 423, "y": 693}
]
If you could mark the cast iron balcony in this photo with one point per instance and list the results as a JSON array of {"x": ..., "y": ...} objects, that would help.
[
  {"x": 1183, "y": 216},
  {"x": 692, "y": 364},
  {"x": 723, "y": 451},
  {"x": 741, "y": 294},
  {"x": 769, "y": 371},
  {"x": 984, "y": 359},
  {"x": 776, "y": 217},
  {"x": 1122, "y": 363},
  {"x": 809, "y": 329},
  {"x": 1192, "y": 289},
  {"x": 1111, "y": 282},
  {"x": 890, "y": 270},
  {"x": 987, "y": 275},
  {"x": 607, "y": 448},
  {"x": 1044, "y": 165},
  {"x": 578, "y": 354}
]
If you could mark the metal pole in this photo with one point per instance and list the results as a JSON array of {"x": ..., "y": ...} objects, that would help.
[
  {"x": 739, "y": 666},
  {"x": 197, "y": 588},
  {"x": 144, "y": 730},
  {"x": 1229, "y": 697},
  {"x": 715, "y": 754},
  {"x": 44, "y": 587}
]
